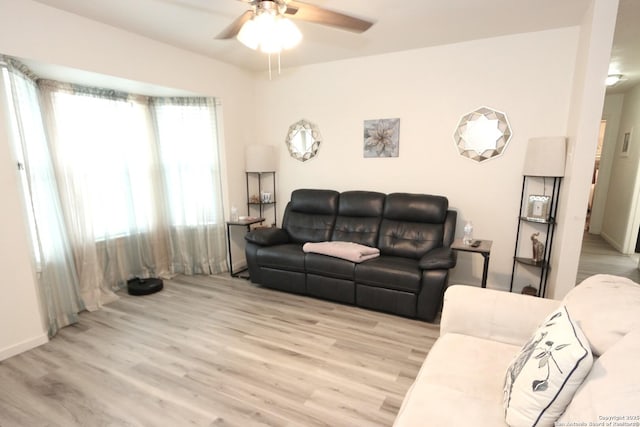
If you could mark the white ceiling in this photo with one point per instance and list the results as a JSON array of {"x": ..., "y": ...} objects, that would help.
[
  {"x": 625, "y": 53},
  {"x": 399, "y": 25}
]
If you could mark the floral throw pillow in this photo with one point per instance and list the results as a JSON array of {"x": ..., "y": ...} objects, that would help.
[{"x": 543, "y": 377}]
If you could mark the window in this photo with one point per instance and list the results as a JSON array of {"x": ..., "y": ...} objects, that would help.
[
  {"x": 187, "y": 135},
  {"x": 104, "y": 145},
  {"x": 108, "y": 146},
  {"x": 117, "y": 186}
]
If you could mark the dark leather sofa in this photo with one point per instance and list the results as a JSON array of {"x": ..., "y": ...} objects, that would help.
[{"x": 414, "y": 233}]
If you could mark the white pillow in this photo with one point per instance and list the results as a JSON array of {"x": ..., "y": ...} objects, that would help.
[
  {"x": 543, "y": 377},
  {"x": 606, "y": 308},
  {"x": 612, "y": 388}
]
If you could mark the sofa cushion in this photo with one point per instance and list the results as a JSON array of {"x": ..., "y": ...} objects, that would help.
[
  {"x": 459, "y": 384},
  {"x": 409, "y": 240},
  {"x": 328, "y": 266},
  {"x": 310, "y": 215},
  {"x": 361, "y": 204},
  {"x": 321, "y": 202},
  {"x": 493, "y": 314},
  {"x": 305, "y": 227},
  {"x": 542, "y": 379},
  {"x": 285, "y": 257},
  {"x": 416, "y": 208},
  {"x": 412, "y": 224},
  {"x": 359, "y": 215},
  {"x": 612, "y": 387},
  {"x": 606, "y": 308},
  {"x": 395, "y": 273},
  {"x": 360, "y": 230}
]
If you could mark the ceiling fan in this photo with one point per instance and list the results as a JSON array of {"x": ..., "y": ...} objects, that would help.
[{"x": 296, "y": 10}]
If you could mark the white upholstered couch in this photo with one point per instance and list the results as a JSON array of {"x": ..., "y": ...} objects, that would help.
[{"x": 462, "y": 379}]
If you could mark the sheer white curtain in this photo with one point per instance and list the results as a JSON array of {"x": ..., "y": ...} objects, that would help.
[
  {"x": 103, "y": 152},
  {"x": 57, "y": 279},
  {"x": 118, "y": 186},
  {"x": 186, "y": 135}
]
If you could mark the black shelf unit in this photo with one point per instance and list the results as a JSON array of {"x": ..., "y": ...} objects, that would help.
[
  {"x": 546, "y": 226},
  {"x": 259, "y": 205}
]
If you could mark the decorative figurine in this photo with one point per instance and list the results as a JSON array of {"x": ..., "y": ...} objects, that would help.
[{"x": 538, "y": 248}]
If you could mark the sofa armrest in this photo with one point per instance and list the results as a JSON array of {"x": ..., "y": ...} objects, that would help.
[
  {"x": 495, "y": 315},
  {"x": 438, "y": 258},
  {"x": 267, "y": 236}
]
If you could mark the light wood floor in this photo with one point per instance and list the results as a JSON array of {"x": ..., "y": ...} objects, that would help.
[
  {"x": 217, "y": 351},
  {"x": 598, "y": 256}
]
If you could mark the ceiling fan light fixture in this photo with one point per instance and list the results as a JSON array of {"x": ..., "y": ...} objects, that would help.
[
  {"x": 269, "y": 31},
  {"x": 248, "y": 35},
  {"x": 288, "y": 33}
]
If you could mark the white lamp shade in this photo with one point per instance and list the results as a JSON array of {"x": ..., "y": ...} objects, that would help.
[
  {"x": 288, "y": 33},
  {"x": 269, "y": 32},
  {"x": 260, "y": 158},
  {"x": 248, "y": 35},
  {"x": 545, "y": 156}
]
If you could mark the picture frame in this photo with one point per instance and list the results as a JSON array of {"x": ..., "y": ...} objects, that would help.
[
  {"x": 381, "y": 138},
  {"x": 538, "y": 208}
]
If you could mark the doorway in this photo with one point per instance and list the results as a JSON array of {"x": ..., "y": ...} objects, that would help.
[
  {"x": 612, "y": 217},
  {"x": 596, "y": 170}
]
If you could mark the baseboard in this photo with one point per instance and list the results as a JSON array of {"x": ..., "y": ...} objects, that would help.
[
  {"x": 240, "y": 265},
  {"x": 15, "y": 349},
  {"x": 612, "y": 242}
]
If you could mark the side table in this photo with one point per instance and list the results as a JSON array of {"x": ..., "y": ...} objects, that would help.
[
  {"x": 483, "y": 249},
  {"x": 244, "y": 223}
]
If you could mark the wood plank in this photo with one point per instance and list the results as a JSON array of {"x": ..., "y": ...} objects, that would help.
[
  {"x": 214, "y": 350},
  {"x": 599, "y": 257}
]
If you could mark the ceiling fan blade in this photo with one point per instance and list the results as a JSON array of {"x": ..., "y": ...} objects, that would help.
[
  {"x": 319, "y": 15},
  {"x": 234, "y": 28}
]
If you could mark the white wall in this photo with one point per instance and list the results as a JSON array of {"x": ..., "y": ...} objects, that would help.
[
  {"x": 527, "y": 76},
  {"x": 587, "y": 98},
  {"x": 611, "y": 114},
  {"x": 48, "y": 35},
  {"x": 620, "y": 224}
]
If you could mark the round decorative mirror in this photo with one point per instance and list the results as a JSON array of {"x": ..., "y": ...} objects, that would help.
[
  {"x": 303, "y": 140},
  {"x": 482, "y": 134}
]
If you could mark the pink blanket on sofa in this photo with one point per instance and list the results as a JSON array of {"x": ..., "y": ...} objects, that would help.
[{"x": 353, "y": 252}]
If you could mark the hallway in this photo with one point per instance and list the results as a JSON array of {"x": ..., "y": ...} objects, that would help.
[{"x": 598, "y": 256}]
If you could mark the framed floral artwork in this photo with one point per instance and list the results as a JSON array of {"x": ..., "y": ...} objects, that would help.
[{"x": 381, "y": 138}]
